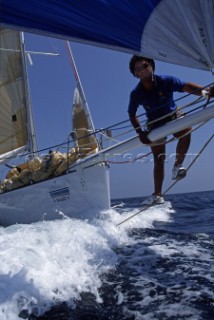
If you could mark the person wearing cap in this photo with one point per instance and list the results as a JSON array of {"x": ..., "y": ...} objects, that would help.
[{"x": 155, "y": 94}]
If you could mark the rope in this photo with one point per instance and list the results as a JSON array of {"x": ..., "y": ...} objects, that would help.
[
  {"x": 61, "y": 145},
  {"x": 144, "y": 124},
  {"x": 141, "y": 157},
  {"x": 146, "y": 155},
  {"x": 199, "y": 99},
  {"x": 191, "y": 164}
]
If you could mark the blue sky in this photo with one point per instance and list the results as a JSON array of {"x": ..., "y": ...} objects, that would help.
[{"x": 107, "y": 83}]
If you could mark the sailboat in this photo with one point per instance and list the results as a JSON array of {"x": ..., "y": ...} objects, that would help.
[
  {"x": 44, "y": 187},
  {"x": 77, "y": 185}
]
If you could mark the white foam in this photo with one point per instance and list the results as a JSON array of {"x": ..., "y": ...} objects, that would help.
[{"x": 54, "y": 261}]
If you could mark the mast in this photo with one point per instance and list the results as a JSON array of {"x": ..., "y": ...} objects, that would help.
[{"x": 32, "y": 142}]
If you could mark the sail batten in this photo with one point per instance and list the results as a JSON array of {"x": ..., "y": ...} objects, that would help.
[{"x": 13, "y": 118}]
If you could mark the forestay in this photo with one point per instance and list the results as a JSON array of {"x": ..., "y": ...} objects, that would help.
[{"x": 178, "y": 31}]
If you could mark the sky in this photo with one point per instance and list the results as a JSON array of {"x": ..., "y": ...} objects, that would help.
[{"x": 107, "y": 84}]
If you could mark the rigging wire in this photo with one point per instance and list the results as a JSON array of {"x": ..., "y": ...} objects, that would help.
[
  {"x": 166, "y": 142},
  {"x": 114, "y": 125},
  {"x": 191, "y": 164},
  {"x": 150, "y": 205}
]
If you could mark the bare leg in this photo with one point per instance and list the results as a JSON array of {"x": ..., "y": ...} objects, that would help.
[
  {"x": 159, "y": 159},
  {"x": 182, "y": 146}
]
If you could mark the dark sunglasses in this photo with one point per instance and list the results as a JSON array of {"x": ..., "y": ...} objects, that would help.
[{"x": 142, "y": 67}]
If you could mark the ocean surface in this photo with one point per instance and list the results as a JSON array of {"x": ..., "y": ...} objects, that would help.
[{"x": 159, "y": 264}]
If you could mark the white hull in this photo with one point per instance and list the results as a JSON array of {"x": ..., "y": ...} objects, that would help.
[
  {"x": 75, "y": 195},
  {"x": 84, "y": 192}
]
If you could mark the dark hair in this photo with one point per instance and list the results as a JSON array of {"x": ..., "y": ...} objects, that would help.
[{"x": 135, "y": 59}]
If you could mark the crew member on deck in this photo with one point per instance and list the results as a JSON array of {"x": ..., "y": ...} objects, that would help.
[{"x": 155, "y": 94}]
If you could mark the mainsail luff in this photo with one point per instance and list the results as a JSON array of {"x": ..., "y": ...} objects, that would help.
[{"x": 14, "y": 118}]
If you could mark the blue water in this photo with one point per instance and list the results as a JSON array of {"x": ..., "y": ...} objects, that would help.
[{"x": 157, "y": 265}]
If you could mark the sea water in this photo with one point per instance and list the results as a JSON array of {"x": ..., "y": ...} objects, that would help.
[{"x": 159, "y": 264}]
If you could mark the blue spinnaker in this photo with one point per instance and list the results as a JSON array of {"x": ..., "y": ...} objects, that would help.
[{"x": 175, "y": 31}]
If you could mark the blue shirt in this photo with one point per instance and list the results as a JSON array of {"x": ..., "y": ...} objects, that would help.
[{"x": 157, "y": 102}]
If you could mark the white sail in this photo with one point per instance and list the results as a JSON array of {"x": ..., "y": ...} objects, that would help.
[
  {"x": 86, "y": 141},
  {"x": 15, "y": 132}
]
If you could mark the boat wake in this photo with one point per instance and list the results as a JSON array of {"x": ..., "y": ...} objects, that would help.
[{"x": 51, "y": 262}]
